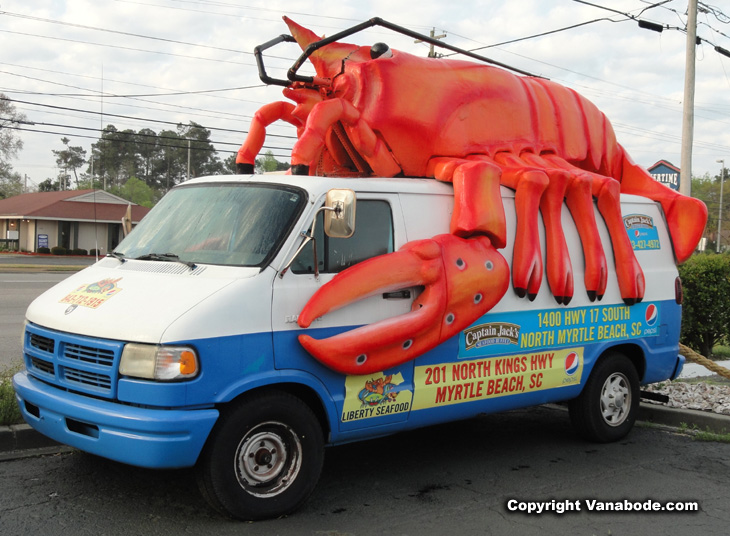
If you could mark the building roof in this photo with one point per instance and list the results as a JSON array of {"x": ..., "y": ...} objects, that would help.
[
  {"x": 73, "y": 205},
  {"x": 664, "y": 163}
]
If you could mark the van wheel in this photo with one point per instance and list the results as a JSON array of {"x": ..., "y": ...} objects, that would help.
[
  {"x": 606, "y": 409},
  {"x": 263, "y": 458}
]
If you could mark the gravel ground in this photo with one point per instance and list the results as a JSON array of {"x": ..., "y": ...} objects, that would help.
[{"x": 711, "y": 393}]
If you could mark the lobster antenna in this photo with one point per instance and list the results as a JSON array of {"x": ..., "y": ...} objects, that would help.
[{"x": 376, "y": 21}]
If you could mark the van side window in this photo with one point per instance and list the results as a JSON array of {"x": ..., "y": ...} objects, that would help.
[{"x": 373, "y": 236}]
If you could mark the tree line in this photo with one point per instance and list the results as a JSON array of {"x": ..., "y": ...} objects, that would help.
[{"x": 153, "y": 161}]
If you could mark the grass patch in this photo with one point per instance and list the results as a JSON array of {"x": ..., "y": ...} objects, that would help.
[
  {"x": 720, "y": 352},
  {"x": 9, "y": 411},
  {"x": 704, "y": 435}
]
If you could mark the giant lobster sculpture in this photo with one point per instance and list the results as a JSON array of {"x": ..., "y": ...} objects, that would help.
[{"x": 381, "y": 112}]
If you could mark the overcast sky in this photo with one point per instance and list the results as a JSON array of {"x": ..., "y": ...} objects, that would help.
[{"x": 74, "y": 66}]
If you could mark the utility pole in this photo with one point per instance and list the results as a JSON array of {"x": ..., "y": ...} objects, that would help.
[
  {"x": 685, "y": 186},
  {"x": 431, "y": 51},
  {"x": 188, "y": 158},
  {"x": 719, "y": 217}
]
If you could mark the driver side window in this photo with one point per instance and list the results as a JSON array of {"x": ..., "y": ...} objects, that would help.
[{"x": 373, "y": 236}]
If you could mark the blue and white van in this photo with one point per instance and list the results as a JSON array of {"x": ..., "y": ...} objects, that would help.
[{"x": 180, "y": 348}]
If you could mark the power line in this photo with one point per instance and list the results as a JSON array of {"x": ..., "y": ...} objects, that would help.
[
  {"x": 120, "y": 47},
  {"x": 52, "y": 106}
]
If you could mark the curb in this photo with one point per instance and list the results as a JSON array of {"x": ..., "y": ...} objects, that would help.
[
  {"x": 21, "y": 440},
  {"x": 676, "y": 417}
]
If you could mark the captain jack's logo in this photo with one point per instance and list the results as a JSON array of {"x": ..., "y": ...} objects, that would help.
[{"x": 491, "y": 333}]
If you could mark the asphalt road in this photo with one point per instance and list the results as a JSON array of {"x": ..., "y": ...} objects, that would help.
[
  {"x": 451, "y": 479},
  {"x": 17, "y": 290}
]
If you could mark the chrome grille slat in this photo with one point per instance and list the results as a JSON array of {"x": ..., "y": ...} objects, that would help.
[
  {"x": 88, "y": 354},
  {"x": 87, "y": 378},
  {"x": 43, "y": 366}
]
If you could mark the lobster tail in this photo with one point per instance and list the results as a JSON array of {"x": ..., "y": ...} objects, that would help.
[{"x": 686, "y": 216}]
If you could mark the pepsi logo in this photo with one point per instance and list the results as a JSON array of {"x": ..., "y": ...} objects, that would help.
[
  {"x": 651, "y": 315},
  {"x": 572, "y": 361}
]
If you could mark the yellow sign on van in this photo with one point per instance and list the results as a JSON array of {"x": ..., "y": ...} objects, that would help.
[{"x": 479, "y": 379}]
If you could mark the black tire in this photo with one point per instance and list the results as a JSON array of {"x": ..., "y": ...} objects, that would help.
[
  {"x": 263, "y": 458},
  {"x": 606, "y": 409}
]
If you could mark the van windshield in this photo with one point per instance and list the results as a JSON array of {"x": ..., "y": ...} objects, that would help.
[{"x": 229, "y": 224}]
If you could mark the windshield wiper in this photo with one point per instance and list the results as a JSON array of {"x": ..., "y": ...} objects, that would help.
[
  {"x": 166, "y": 257},
  {"x": 119, "y": 256}
]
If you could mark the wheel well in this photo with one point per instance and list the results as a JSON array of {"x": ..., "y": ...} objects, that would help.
[
  {"x": 302, "y": 392},
  {"x": 633, "y": 352}
]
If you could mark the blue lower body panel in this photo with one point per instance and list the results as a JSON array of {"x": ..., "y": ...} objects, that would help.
[{"x": 155, "y": 438}]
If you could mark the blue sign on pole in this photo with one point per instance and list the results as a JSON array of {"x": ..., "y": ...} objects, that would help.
[
  {"x": 666, "y": 173},
  {"x": 42, "y": 240}
]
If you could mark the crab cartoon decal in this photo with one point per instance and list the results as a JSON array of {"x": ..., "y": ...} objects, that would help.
[{"x": 373, "y": 111}]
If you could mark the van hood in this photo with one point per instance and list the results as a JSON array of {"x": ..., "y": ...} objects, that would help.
[{"x": 132, "y": 300}]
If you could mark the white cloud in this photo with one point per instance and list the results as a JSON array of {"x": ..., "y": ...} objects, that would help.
[{"x": 635, "y": 76}]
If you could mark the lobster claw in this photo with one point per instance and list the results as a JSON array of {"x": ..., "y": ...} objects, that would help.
[{"x": 463, "y": 279}]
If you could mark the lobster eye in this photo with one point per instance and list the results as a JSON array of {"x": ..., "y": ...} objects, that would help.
[{"x": 380, "y": 50}]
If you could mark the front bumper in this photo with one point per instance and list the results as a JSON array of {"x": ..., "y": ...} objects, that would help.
[{"x": 155, "y": 438}]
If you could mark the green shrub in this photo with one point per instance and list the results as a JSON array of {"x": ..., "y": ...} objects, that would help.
[
  {"x": 44, "y": 250},
  {"x": 58, "y": 250},
  {"x": 94, "y": 252},
  {"x": 706, "y": 309},
  {"x": 9, "y": 411},
  {"x": 79, "y": 251}
]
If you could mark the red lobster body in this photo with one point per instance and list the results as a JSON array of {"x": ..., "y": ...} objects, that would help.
[
  {"x": 478, "y": 127},
  {"x": 482, "y": 110}
]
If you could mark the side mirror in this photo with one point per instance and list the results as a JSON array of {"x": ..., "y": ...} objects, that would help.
[{"x": 339, "y": 215}]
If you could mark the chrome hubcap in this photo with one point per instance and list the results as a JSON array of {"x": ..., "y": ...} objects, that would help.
[
  {"x": 615, "y": 399},
  {"x": 268, "y": 459}
]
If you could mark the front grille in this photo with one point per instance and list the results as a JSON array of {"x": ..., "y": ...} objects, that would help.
[
  {"x": 81, "y": 364},
  {"x": 89, "y": 354},
  {"x": 44, "y": 344},
  {"x": 88, "y": 379}
]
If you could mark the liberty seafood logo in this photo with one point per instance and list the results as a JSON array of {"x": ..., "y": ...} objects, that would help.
[
  {"x": 491, "y": 333},
  {"x": 378, "y": 391},
  {"x": 377, "y": 397}
]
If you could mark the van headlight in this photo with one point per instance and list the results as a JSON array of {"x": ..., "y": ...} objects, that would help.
[{"x": 153, "y": 362}]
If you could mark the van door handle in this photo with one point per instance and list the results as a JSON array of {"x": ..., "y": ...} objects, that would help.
[{"x": 397, "y": 295}]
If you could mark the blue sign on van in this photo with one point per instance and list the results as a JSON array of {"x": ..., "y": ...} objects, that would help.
[{"x": 642, "y": 231}]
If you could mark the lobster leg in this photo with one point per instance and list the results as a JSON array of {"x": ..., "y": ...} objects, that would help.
[
  {"x": 559, "y": 267},
  {"x": 529, "y": 185},
  {"x": 323, "y": 116},
  {"x": 477, "y": 198},
  {"x": 580, "y": 203},
  {"x": 628, "y": 271}
]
